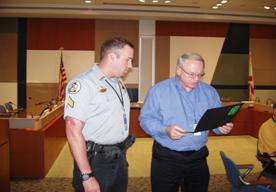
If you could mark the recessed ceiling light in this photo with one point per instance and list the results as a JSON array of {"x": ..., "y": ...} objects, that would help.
[
  {"x": 274, "y": 8},
  {"x": 219, "y": 4},
  {"x": 87, "y": 1},
  {"x": 224, "y": 1},
  {"x": 156, "y": 1},
  {"x": 215, "y": 7},
  {"x": 266, "y": 7}
]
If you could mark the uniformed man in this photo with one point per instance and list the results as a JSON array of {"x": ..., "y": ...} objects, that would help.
[{"x": 97, "y": 120}]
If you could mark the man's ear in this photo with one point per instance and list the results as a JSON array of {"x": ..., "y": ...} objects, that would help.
[
  {"x": 178, "y": 71},
  {"x": 113, "y": 56}
]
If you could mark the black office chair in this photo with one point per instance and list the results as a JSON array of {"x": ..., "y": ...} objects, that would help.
[
  {"x": 2, "y": 109},
  {"x": 237, "y": 178},
  {"x": 9, "y": 106},
  {"x": 268, "y": 164}
]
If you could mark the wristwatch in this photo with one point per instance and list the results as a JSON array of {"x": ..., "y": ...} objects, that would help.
[{"x": 86, "y": 176}]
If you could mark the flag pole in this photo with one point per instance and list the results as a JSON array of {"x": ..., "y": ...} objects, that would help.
[
  {"x": 62, "y": 77},
  {"x": 250, "y": 80}
]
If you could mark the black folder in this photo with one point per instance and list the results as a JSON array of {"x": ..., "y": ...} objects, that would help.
[{"x": 216, "y": 117}]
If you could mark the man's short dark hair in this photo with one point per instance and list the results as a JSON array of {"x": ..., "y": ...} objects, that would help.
[
  {"x": 114, "y": 43},
  {"x": 274, "y": 105}
]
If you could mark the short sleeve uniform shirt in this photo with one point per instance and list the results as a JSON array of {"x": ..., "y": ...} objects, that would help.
[{"x": 102, "y": 103}]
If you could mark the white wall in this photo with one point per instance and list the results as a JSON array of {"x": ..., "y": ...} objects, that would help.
[
  {"x": 8, "y": 93},
  {"x": 263, "y": 95},
  {"x": 43, "y": 65}
]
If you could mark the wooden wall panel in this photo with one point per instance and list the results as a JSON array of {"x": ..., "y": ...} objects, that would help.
[
  {"x": 134, "y": 126},
  {"x": 4, "y": 155},
  {"x": 51, "y": 34},
  {"x": 263, "y": 31},
  {"x": 106, "y": 29},
  {"x": 8, "y": 57},
  {"x": 263, "y": 60},
  {"x": 179, "y": 28},
  {"x": 4, "y": 135},
  {"x": 5, "y": 167},
  {"x": 162, "y": 64},
  {"x": 54, "y": 140},
  {"x": 33, "y": 151}
]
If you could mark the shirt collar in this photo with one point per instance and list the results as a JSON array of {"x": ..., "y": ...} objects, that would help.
[
  {"x": 100, "y": 75},
  {"x": 98, "y": 72},
  {"x": 180, "y": 87}
]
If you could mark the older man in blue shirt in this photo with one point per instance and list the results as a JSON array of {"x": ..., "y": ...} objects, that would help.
[{"x": 171, "y": 109}]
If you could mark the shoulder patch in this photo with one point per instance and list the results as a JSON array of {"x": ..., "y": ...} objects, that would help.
[{"x": 74, "y": 87}]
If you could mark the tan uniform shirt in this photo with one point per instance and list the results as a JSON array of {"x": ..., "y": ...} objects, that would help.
[{"x": 267, "y": 137}]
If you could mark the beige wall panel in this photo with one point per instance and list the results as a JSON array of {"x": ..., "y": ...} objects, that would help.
[
  {"x": 116, "y": 28},
  {"x": 8, "y": 57},
  {"x": 162, "y": 66},
  {"x": 146, "y": 67},
  {"x": 43, "y": 65},
  {"x": 263, "y": 61},
  {"x": 264, "y": 76},
  {"x": 208, "y": 47},
  {"x": 8, "y": 93},
  {"x": 39, "y": 95},
  {"x": 132, "y": 77}
]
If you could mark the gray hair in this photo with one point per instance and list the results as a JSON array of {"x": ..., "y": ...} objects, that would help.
[{"x": 189, "y": 56}]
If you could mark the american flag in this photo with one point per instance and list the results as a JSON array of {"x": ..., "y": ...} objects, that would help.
[
  {"x": 62, "y": 80},
  {"x": 250, "y": 80}
]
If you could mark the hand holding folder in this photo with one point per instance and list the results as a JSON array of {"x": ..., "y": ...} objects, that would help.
[{"x": 216, "y": 117}]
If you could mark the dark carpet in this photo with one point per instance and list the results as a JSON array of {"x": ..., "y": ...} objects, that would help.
[{"x": 218, "y": 183}]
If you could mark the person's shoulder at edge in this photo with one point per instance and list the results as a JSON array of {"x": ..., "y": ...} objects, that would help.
[
  {"x": 265, "y": 124},
  {"x": 207, "y": 87},
  {"x": 164, "y": 84}
]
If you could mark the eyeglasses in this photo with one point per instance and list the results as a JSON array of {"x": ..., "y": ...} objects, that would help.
[{"x": 193, "y": 75}]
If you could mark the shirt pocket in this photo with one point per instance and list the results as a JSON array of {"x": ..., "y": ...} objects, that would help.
[{"x": 104, "y": 101}]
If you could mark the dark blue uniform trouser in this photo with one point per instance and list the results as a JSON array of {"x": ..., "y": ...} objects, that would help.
[
  {"x": 171, "y": 169},
  {"x": 112, "y": 175}
]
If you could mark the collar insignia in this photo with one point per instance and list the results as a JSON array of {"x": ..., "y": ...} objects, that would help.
[{"x": 102, "y": 89}]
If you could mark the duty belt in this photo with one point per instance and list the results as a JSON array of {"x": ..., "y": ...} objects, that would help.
[
  {"x": 109, "y": 152},
  {"x": 124, "y": 145}
]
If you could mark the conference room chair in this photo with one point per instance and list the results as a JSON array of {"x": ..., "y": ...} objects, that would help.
[
  {"x": 9, "y": 106},
  {"x": 237, "y": 174},
  {"x": 263, "y": 189},
  {"x": 267, "y": 162},
  {"x": 2, "y": 109}
]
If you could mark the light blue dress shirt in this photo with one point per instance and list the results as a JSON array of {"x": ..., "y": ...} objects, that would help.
[{"x": 168, "y": 103}]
